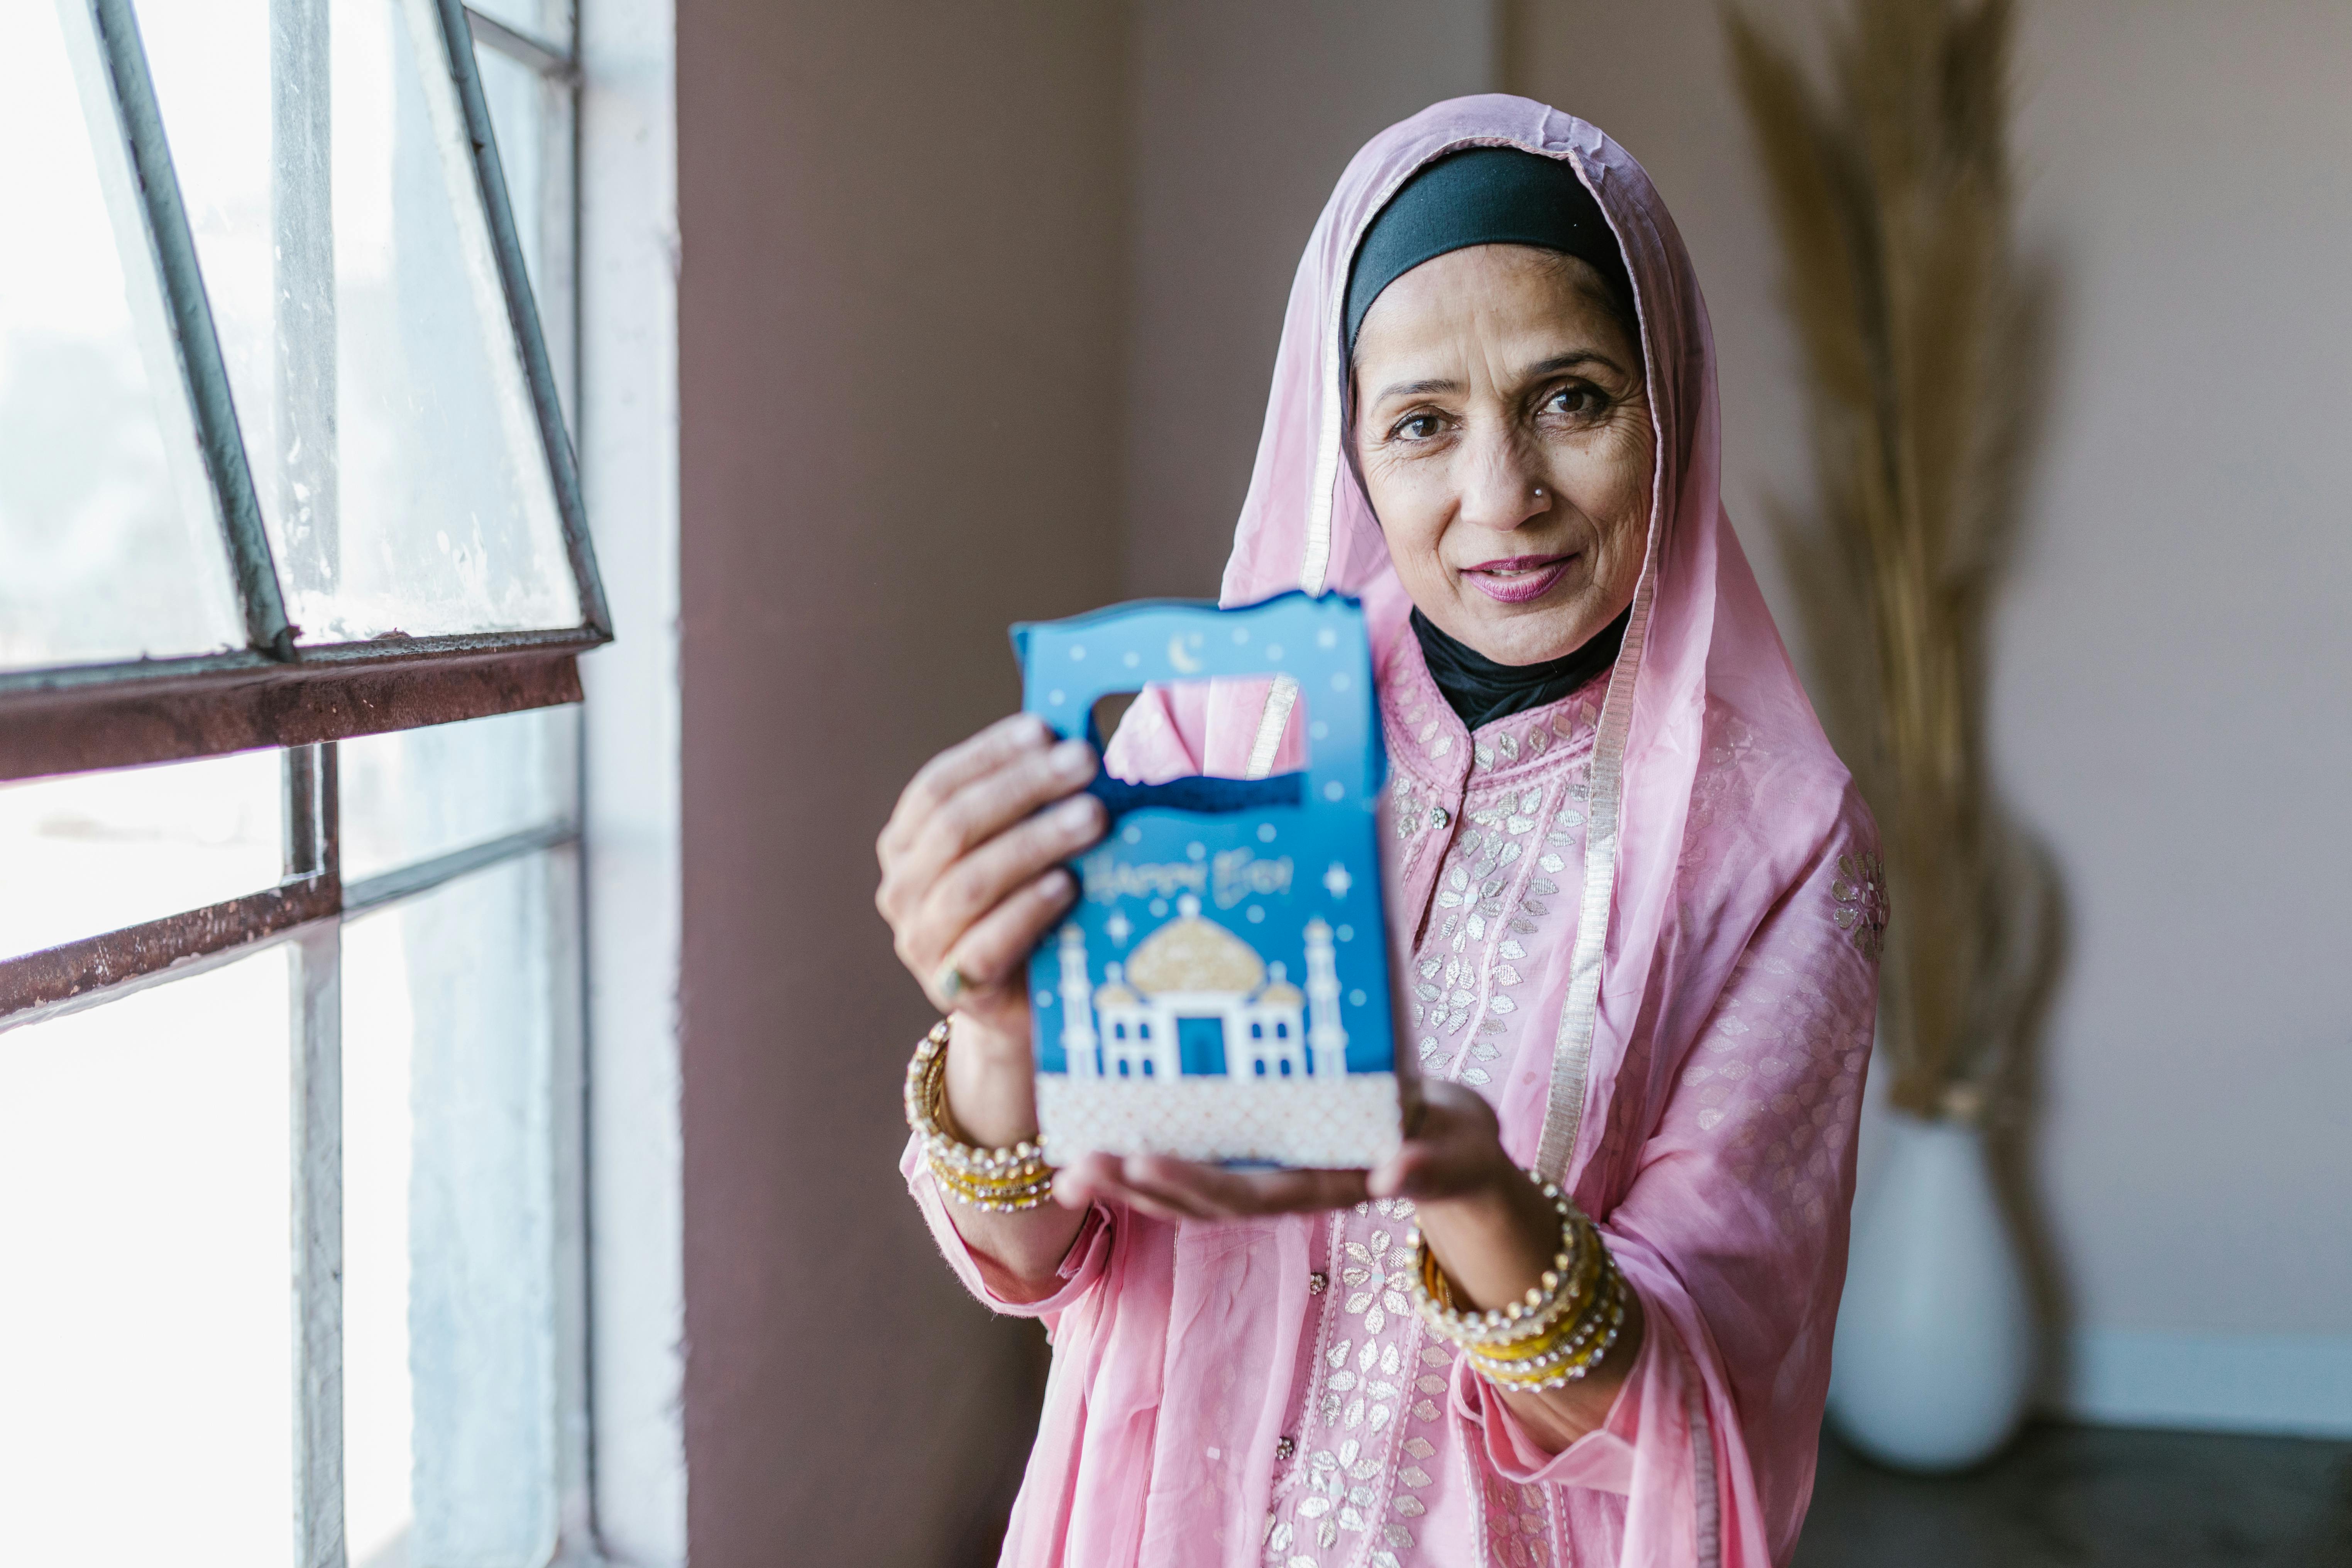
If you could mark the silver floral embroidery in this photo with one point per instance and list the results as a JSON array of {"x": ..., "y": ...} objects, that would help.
[
  {"x": 1363, "y": 1364},
  {"x": 1519, "y": 1524},
  {"x": 1375, "y": 1292},
  {"x": 1493, "y": 888},
  {"x": 1376, "y": 1408},
  {"x": 1859, "y": 892}
]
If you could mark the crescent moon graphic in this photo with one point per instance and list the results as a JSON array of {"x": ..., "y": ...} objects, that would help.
[{"x": 1184, "y": 662}]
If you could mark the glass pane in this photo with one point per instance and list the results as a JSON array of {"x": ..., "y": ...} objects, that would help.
[
  {"x": 451, "y": 1016},
  {"x": 532, "y": 119},
  {"x": 550, "y": 20},
  {"x": 421, "y": 792},
  {"x": 377, "y": 377},
  {"x": 111, "y": 544},
  {"x": 95, "y": 852},
  {"x": 146, "y": 1331},
  {"x": 517, "y": 118}
]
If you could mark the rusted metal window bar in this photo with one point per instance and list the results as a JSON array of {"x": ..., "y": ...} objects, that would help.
[
  {"x": 89, "y": 723},
  {"x": 79, "y": 975}
]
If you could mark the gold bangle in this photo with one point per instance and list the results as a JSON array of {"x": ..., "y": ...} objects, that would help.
[
  {"x": 1002, "y": 1180},
  {"x": 1561, "y": 1295},
  {"x": 1555, "y": 1334},
  {"x": 1573, "y": 1353},
  {"x": 1568, "y": 1364},
  {"x": 1561, "y": 1288}
]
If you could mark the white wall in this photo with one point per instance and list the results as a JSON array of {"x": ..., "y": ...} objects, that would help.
[
  {"x": 628, "y": 470},
  {"x": 2172, "y": 700}
]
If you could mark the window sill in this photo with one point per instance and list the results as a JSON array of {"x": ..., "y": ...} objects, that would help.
[{"x": 73, "y": 720}]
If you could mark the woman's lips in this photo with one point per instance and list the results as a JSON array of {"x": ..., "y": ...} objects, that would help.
[{"x": 1518, "y": 579}]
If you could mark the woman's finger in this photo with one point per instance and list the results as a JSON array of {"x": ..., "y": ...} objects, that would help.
[
  {"x": 1101, "y": 1178},
  {"x": 994, "y": 950},
  {"x": 985, "y": 807},
  {"x": 968, "y": 890},
  {"x": 1455, "y": 1148},
  {"x": 1214, "y": 1190},
  {"x": 1007, "y": 739}
]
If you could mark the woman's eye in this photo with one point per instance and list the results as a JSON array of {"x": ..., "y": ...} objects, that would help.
[
  {"x": 1416, "y": 428},
  {"x": 1574, "y": 401}
]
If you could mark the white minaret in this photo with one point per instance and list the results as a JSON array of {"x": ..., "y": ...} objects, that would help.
[
  {"x": 1327, "y": 1038},
  {"x": 1077, "y": 1005}
]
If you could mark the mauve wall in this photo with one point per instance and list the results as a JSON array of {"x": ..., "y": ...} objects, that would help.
[
  {"x": 1243, "y": 112},
  {"x": 899, "y": 348}
]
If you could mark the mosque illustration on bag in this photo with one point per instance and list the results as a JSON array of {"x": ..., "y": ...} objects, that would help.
[
  {"x": 1221, "y": 989},
  {"x": 1196, "y": 999}
]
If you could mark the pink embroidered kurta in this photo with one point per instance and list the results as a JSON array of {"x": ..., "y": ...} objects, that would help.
[{"x": 1641, "y": 921}]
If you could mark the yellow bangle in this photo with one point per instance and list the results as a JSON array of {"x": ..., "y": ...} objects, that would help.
[
  {"x": 997, "y": 1180},
  {"x": 1561, "y": 1288},
  {"x": 1574, "y": 1357},
  {"x": 1556, "y": 1333}
]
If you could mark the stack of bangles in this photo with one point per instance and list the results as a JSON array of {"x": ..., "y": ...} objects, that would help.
[
  {"x": 1001, "y": 1180},
  {"x": 1551, "y": 1337}
]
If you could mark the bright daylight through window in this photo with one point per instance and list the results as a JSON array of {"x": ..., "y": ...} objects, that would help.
[{"x": 293, "y": 579}]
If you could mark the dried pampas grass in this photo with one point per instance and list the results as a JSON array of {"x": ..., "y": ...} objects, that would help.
[{"x": 1891, "y": 193}]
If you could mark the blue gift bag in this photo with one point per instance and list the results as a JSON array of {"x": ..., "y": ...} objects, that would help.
[{"x": 1221, "y": 990}]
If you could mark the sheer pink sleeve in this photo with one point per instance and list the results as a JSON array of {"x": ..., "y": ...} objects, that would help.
[
  {"x": 1082, "y": 1266},
  {"x": 1734, "y": 1233}
]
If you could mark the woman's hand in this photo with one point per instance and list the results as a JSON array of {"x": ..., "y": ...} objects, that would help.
[
  {"x": 972, "y": 880},
  {"x": 1493, "y": 1232},
  {"x": 1453, "y": 1152},
  {"x": 972, "y": 873}
]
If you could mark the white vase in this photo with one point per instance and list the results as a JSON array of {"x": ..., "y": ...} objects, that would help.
[{"x": 1936, "y": 1343}]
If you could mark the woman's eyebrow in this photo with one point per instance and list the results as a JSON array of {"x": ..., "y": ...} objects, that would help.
[
  {"x": 1416, "y": 389},
  {"x": 1552, "y": 366},
  {"x": 1570, "y": 360}
]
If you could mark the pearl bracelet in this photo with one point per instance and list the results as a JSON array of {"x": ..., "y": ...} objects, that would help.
[
  {"x": 1556, "y": 1333},
  {"x": 1003, "y": 1181}
]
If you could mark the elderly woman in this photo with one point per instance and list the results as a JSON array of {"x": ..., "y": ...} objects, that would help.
[{"x": 1634, "y": 891}]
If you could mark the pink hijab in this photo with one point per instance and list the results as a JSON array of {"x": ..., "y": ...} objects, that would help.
[{"x": 1691, "y": 1071}]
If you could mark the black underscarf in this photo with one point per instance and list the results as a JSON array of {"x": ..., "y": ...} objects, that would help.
[
  {"x": 1480, "y": 690},
  {"x": 1485, "y": 195}
]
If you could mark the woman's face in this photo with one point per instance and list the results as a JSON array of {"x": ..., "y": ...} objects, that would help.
[{"x": 1504, "y": 436}]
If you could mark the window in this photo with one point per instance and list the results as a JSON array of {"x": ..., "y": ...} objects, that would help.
[{"x": 293, "y": 579}]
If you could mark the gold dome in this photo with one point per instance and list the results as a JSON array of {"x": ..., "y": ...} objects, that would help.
[
  {"x": 1190, "y": 953},
  {"x": 1281, "y": 993}
]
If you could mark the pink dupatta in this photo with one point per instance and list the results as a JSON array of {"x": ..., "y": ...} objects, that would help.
[{"x": 1643, "y": 921}]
